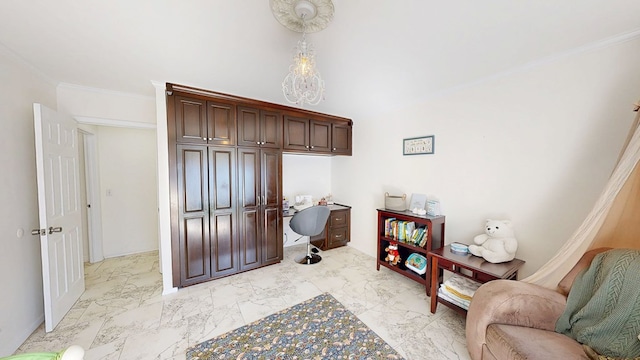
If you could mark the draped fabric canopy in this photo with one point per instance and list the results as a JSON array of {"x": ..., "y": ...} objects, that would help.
[{"x": 613, "y": 222}]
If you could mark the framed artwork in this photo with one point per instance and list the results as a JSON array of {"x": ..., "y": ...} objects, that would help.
[
  {"x": 418, "y": 201},
  {"x": 418, "y": 145}
]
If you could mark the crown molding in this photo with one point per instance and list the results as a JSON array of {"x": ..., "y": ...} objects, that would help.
[
  {"x": 597, "y": 45},
  {"x": 84, "y": 88},
  {"x": 88, "y": 120}
]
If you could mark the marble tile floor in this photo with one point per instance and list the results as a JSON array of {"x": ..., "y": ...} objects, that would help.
[{"x": 123, "y": 315}]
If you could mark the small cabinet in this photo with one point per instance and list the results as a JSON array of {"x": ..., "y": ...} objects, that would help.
[
  {"x": 337, "y": 232},
  {"x": 307, "y": 135},
  {"x": 341, "y": 138},
  {"x": 433, "y": 228},
  {"x": 259, "y": 128},
  {"x": 204, "y": 122}
]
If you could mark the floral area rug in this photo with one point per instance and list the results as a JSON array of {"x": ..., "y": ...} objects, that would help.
[{"x": 319, "y": 328}]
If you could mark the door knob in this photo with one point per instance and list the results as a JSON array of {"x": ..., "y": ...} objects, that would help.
[
  {"x": 55, "y": 229},
  {"x": 39, "y": 232}
]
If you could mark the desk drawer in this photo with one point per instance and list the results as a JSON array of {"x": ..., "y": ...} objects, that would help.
[
  {"x": 338, "y": 237},
  {"x": 339, "y": 218}
]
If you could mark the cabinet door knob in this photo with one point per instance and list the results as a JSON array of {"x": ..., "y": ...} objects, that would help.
[
  {"x": 334, "y": 149},
  {"x": 312, "y": 146},
  {"x": 258, "y": 142},
  {"x": 210, "y": 139},
  {"x": 204, "y": 138},
  {"x": 307, "y": 146}
]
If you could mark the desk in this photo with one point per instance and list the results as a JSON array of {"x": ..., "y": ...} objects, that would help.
[
  {"x": 469, "y": 266},
  {"x": 337, "y": 232}
]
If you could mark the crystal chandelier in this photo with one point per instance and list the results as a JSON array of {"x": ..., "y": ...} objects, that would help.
[{"x": 303, "y": 84}]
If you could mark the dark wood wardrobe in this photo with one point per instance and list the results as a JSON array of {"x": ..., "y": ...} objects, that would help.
[{"x": 225, "y": 161}]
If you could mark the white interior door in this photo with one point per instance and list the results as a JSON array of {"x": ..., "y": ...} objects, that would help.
[{"x": 59, "y": 210}]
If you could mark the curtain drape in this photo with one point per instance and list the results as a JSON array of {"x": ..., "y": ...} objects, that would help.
[{"x": 614, "y": 220}]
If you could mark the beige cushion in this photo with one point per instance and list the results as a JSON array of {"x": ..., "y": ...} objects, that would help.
[{"x": 520, "y": 343}]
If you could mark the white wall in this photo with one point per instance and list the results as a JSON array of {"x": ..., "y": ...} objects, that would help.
[
  {"x": 21, "y": 304},
  {"x": 128, "y": 183},
  {"x": 535, "y": 146},
  {"x": 103, "y": 104},
  {"x": 305, "y": 175},
  {"x": 127, "y": 157}
]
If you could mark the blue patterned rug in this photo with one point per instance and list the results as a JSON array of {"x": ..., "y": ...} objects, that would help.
[{"x": 319, "y": 328}]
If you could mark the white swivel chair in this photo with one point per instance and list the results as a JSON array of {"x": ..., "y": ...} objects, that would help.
[{"x": 309, "y": 222}]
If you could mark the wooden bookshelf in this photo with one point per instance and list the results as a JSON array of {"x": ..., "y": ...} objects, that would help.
[{"x": 434, "y": 240}]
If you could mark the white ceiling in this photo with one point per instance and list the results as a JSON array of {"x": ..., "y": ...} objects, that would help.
[{"x": 376, "y": 55}]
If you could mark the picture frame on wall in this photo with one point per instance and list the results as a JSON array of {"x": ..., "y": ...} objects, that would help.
[{"x": 418, "y": 145}]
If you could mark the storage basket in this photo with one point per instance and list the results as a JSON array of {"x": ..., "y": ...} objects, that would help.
[{"x": 395, "y": 202}]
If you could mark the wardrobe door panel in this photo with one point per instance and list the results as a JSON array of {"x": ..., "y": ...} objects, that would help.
[
  {"x": 272, "y": 207},
  {"x": 248, "y": 127},
  {"x": 193, "y": 206},
  {"x": 249, "y": 202},
  {"x": 224, "y": 249},
  {"x": 221, "y": 123},
  {"x": 190, "y": 120},
  {"x": 271, "y": 129},
  {"x": 320, "y": 136},
  {"x": 223, "y": 235},
  {"x": 250, "y": 240},
  {"x": 222, "y": 167}
]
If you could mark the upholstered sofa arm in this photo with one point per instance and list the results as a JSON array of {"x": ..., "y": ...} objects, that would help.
[{"x": 513, "y": 303}]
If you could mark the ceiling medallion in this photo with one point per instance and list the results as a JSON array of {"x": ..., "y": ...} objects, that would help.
[{"x": 317, "y": 14}]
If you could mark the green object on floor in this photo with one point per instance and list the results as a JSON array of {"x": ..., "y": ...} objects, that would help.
[
  {"x": 73, "y": 352},
  {"x": 35, "y": 356}
]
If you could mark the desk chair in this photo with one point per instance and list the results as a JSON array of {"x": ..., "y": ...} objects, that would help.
[{"x": 309, "y": 222}]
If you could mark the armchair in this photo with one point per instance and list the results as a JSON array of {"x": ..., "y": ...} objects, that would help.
[{"x": 516, "y": 320}]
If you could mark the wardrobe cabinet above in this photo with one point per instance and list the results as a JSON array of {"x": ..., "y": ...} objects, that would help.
[
  {"x": 199, "y": 121},
  {"x": 260, "y": 128},
  {"x": 206, "y": 117},
  {"x": 317, "y": 136}
]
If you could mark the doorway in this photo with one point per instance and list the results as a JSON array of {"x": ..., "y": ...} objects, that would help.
[{"x": 90, "y": 197}]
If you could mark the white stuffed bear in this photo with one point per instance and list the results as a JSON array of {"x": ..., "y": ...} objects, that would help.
[{"x": 497, "y": 244}]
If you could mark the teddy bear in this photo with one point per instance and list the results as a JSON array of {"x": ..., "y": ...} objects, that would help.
[
  {"x": 497, "y": 244},
  {"x": 393, "y": 256}
]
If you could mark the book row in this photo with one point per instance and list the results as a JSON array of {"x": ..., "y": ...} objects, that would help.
[{"x": 405, "y": 232}]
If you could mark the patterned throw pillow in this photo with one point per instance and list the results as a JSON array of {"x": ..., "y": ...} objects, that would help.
[{"x": 593, "y": 355}]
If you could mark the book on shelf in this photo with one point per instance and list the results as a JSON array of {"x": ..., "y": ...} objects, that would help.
[
  {"x": 414, "y": 235},
  {"x": 401, "y": 230},
  {"x": 418, "y": 235},
  {"x": 387, "y": 226},
  {"x": 423, "y": 238},
  {"x": 394, "y": 229},
  {"x": 410, "y": 227}
]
